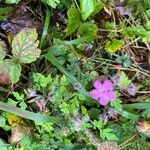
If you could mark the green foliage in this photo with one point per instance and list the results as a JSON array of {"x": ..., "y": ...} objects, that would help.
[
  {"x": 113, "y": 45},
  {"x": 105, "y": 133},
  {"x": 40, "y": 82},
  {"x": 12, "y": 1},
  {"x": 73, "y": 20},
  {"x": 24, "y": 46},
  {"x": 124, "y": 80},
  {"x": 2, "y": 52},
  {"x": 88, "y": 7},
  {"x": 19, "y": 99},
  {"x": 116, "y": 104},
  {"x": 4, "y": 12},
  {"x": 14, "y": 70},
  {"x": 75, "y": 57},
  {"x": 52, "y": 3},
  {"x": 88, "y": 29},
  {"x": 29, "y": 115},
  {"x": 145, "y": 3},
  {"x": 24, "y": 50},
  {"x": 125, "y": 60},
  {"x": 3, "y": 123}
]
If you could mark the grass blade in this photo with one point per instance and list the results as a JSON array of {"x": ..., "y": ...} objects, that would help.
[
  {"x": 137, "y": 106},
  {"x": 45, "y": 29},
  {"x": 29, "y": 115}
]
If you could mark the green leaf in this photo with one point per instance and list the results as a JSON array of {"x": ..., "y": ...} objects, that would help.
[
  {"x": 73, "y": 20},
  {"x": 124, "y": 80},
  {"x": 113, "y": 45},
  {"x": 98, "y": 124},
  {"x": 116, "y": 104},
  {"x": 24, "y": 46},
  {"x": 87, "y": 8},
  {"x": 2, "y": 50},
  {"x": 145, "y": 3},
  {"x": 99, "y": 6},
  {"x": 147, "y": 13},
  {"x": 125, "y": 60},
  {"x": 83, "y": 110},
  {"x": 88, "y": 29},
  {"x": 14, "y": 70},
  {"x": 107, "y": 133},
  {"x": 147, "y": 25},
  {"x": 12, "y": 1},
  {"x": 77, "y": 85},
  {"x": 52, "y": 3}
]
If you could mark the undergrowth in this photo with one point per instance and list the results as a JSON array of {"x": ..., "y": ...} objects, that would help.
[{"x": 74, "y": 74}]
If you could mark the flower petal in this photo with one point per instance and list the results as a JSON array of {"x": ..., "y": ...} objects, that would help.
[
  {"x": 103, "y": 101},
  {"x": 111, "y": 95},
  {"x": 107, "y": 85},
  {"x": 95, "y": 94},
  {"x": 97, "y": 84}
]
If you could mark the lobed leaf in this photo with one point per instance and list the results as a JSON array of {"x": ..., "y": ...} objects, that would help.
[{"x": 24, "y": 46}]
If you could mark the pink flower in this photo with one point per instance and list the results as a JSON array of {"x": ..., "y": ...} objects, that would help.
[
  {"x": 103, "y": 92},
  {"x": 41, "y": 104}
]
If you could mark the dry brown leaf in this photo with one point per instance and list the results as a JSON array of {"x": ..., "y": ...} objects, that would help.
[
  {"x": 143, "y": 126},
  {"x": 17, "y": 133}
]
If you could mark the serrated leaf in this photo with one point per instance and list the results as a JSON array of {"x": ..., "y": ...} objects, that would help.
[
  {"x": 113, "y": 45},
  {"x": 24, "y": 46},
  {"x": 73, "y": 20},
  {"x": 14, "y": 70},
  {"x": 124, "y": 81},
  {"x": 87, "y": 8}
]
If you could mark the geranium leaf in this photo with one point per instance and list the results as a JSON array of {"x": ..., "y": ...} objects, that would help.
[
  {"x": 24, "y": 46},
  {"x": 73, "y": 20},
  {"x": 124, "y": 80}
]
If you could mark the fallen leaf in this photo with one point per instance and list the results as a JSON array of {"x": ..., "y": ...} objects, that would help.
[
  {"x": 17, "y": 133},
  {"x": 143, "y": 126}
]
